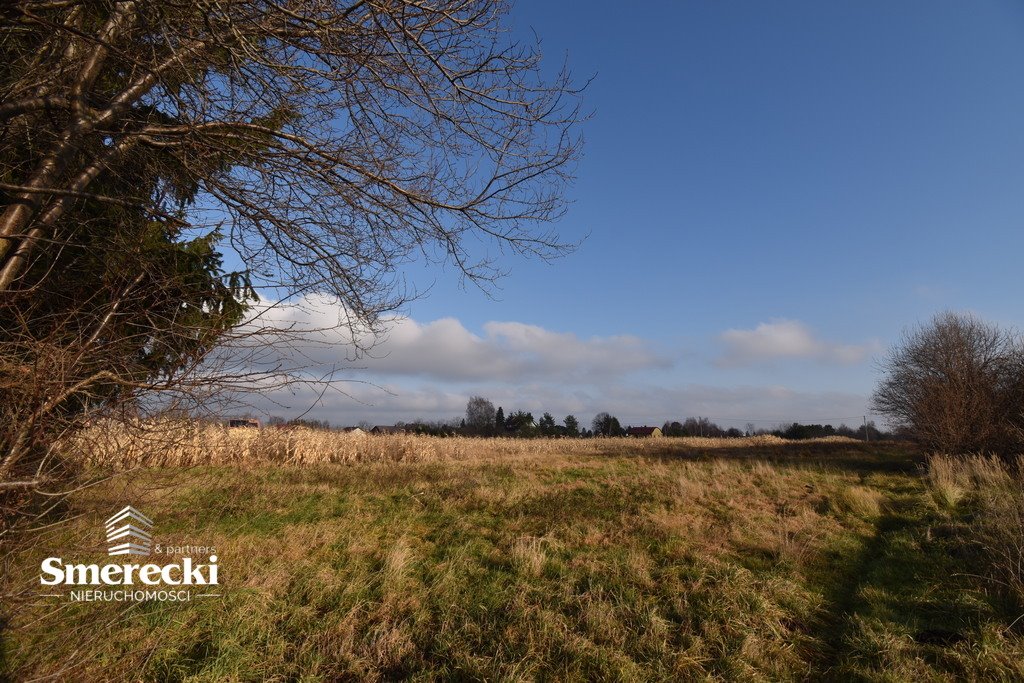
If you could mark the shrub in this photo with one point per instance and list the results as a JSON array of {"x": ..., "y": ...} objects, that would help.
[{"x": 957, "y": 384}]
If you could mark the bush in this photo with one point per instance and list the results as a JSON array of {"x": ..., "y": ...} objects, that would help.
[{"x": 957, "y": 384}]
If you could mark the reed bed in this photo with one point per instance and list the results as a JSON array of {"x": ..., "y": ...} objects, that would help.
[{"x": 188, "y": 444}]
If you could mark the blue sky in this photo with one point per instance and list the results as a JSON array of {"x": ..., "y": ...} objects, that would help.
[{"x": 770, "y": 193}]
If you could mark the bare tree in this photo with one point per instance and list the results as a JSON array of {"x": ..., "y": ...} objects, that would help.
[
  {"x": 955, "y": 383},
  {"x": 604, "y": 424},
  {"x": 333, "y": 138},
  {"x": 480, "y": 415},
  {"x": 320, "y": 143}
]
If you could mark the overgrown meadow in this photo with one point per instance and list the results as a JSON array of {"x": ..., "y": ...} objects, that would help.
[{"x": 399, "y": 557}]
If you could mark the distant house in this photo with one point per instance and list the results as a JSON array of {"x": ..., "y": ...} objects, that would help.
[
  {"x": 250, "y": 423},
  {"x": 387, "y": 429},
  {"x": 644, "y": 431},
  {"x": 352, "y": 430}
]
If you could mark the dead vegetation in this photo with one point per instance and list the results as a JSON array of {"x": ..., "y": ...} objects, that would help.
[
  {"x": 498, "y": 559},
  {"x": 517, "y": 563},
  {"x": 189, "y": 444},
  {"x": 989, "y": 492}
]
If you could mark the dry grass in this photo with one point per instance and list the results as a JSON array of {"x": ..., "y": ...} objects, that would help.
[
  {"x": 390, "y": 558},
  {"x": 991, "y": 492},
  {"x": 860, "y": 501},
  {"x": 186, "y": 444},
  {"x": 559, "y": 567},
  {"x": 528, "y": 556},
  {"x": 951, "y": 479}
]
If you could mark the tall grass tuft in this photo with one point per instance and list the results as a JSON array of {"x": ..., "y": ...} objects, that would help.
[
  {"x": 859, "y": 501},
  {"x": 947, "y": 481},
  {"x": 994, "y": 492}
]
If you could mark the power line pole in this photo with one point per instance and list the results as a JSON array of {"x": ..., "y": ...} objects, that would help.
[{"x": 867, "y": 437}]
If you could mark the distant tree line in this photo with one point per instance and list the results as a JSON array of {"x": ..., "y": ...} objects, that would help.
[
  {"x": 699, "y": 426},
  {"x": 868, "y": 432},
  {"x": 278, "y": 421},
  {"x": 483, "y": 419},
  {"x": 702, "y": 426}
]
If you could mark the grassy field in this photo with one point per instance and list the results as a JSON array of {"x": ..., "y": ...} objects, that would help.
[{"x": 536, "y": 560}]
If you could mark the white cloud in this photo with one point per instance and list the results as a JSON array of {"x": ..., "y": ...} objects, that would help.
[
  {"x": 785, "y": 339},
  {"x": 635, "y": 405},
  {"x": 444, "y": 350},
  {"x": 429, "y": 370}
]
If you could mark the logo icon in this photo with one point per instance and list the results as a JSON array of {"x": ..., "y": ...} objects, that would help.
[{"x": 128, "y": 533}]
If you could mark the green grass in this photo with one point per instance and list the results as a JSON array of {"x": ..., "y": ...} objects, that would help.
[{"x": 833, "y": 563}]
